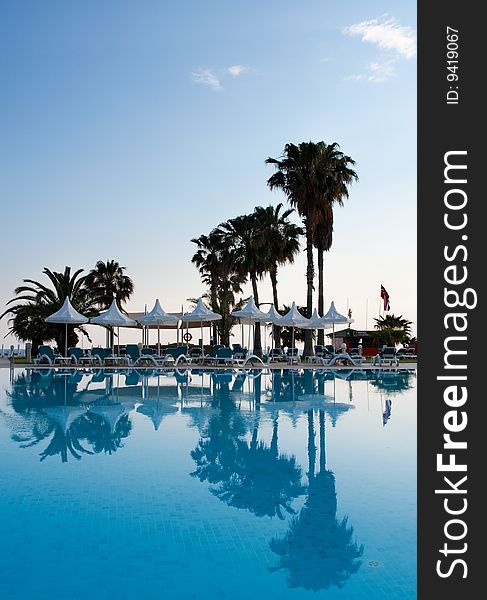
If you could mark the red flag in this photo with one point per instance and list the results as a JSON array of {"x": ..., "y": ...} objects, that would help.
[{"x": 385, "y": 296}]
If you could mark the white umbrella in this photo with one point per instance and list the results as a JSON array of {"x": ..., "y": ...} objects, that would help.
[
  {"x": 158, "y": 316},
  {"x": 250, "y": 314},
  {"x": 315, "y": 322},
  {"x": 67, "y": 315},
  {"x": 200, "y": 314},
  {"x": 274, "y": 318},
  {"x": 333, "y": 317},
  {"x": 113, "y": 317},
  {"x": 293, "y": 318}
]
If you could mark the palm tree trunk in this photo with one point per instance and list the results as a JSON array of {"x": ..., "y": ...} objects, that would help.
[
  {"x": 311, "y": 446},
  {"x": 274, "y": 441},
  {"x": 322, "y": 442},
  {"x": 321, "y": 295},
  {"x": 276, "y": 330},
  {"x": 257, "y": 339},
  {"x": 310, "y": 272},
  {"x": 214, "y": 307}
]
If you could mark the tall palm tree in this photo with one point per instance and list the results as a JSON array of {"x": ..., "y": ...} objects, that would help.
[
  {"x": 35, "y": 301},
  {"x": 245, "y": 239},
  {"x": 340, "y": 176},
  {"x": 108, "y": 281},
  {"x": 281, "y": 245},
  {"x": 305, "y": 173}
]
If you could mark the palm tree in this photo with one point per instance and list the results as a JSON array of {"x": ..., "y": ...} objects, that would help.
[
  {"x": 215, "y": 265},
  {"x": 392, "y": 330},
  {"x": 340, "y": 176},
  {"x": 307, "y": 175},
  {"x": 108, "y": 281},
  {"x": 245, "y": 239},
  {"x": 281, "y": 245},
  {"x": 35, "y": 301}
]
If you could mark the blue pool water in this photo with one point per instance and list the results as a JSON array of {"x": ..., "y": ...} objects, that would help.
[{"x": 293, "y": 485}]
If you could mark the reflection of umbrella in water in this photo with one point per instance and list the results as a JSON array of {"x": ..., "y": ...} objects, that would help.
[
  {"x": 156, "y": 409},
  {"x": 67, "y": 315},
  {"x": 66, "y": 436},
  {"x": 64, "y": 416},
  {"x": 200, "y": 415},
  {"x": 295, "y": 409},
  {"x": 111, "y": 413}
]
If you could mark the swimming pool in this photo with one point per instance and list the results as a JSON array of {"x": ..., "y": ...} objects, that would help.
[{"x": 290, "y": 484}]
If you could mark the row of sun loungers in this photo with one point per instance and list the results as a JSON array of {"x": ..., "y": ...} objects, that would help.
[{"x": 219, "y": 355}]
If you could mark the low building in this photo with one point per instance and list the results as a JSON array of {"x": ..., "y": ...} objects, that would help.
[{"x": 354, "y": 337}]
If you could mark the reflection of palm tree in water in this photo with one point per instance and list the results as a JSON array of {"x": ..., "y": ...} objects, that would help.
[
  {"x": 98, "y": 432},
  {"x": 46, "y": 407},
  {"x": 318, "y": 551},
  {"x": 393, "y": 381},
  {"x": 246, "y": 474}
]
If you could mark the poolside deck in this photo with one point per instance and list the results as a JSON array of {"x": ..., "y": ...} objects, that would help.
[{"x": 5, "y": 363}]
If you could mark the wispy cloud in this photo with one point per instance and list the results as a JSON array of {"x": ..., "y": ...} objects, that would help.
[
  {"x": 212, "y": 77},
  {"x": 376, "y": 72},
  {"x": 386, "y": 33},
  {"x": 236, "y": 70},
  {"x": 207, "y": 77}
]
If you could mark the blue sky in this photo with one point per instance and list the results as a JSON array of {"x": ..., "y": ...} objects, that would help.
[{"x": 128, "y": 128}]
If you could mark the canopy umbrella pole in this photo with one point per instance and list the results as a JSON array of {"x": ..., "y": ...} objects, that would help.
[
  {"x": 202, "y": 337},
  {"x": 66, "y": 342},
  {"x": 158, "y": 340}
]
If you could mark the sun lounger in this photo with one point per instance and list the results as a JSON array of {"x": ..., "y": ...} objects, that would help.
[
  {"x": 209, "y": 358},
  {"x": 137, "y": 357},
  {"x": 79, "y": 358},
  {"x": 276, "y": 355},
  {"x": 292, "y": 355},
  {"x": 386, "y": 356},
  {"x": 175, "y": 353},
  {"x": 239, "y": 352},
  {"x": 99, "y": 355},
  {"x": 321, "y": 356},
  {"x": 224, "y": 356},
  {"x": 47, "y": 354}
]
